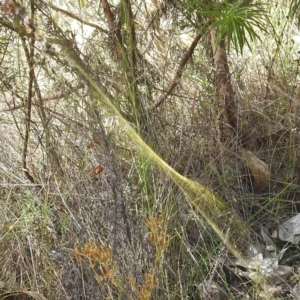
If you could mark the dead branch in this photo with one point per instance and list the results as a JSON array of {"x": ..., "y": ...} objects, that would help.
[
  {"x": 30, "y": 60},
  {"x": 48, "y": 97},
  {"x": 114, "y": 27},
  {"x": 69, "y": 14},
  {"x": 184, "y": 60}
]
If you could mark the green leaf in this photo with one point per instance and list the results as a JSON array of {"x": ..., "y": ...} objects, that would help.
[{"x": 238, "y": 23}]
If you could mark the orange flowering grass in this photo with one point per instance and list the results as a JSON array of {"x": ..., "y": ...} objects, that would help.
[
  {"x": 101, "y": 261},
  {"x": 159, "y": 238},
  {"x": 100, "y": 257},
  {"x": 157, "y": 234},
  {"x": 144, "y": 292}
]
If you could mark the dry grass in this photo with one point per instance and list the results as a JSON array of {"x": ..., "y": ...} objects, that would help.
[{"x": 104, "y": 223}]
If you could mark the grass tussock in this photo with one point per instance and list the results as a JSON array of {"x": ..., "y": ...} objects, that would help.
[{"x": 107, "y": 217}]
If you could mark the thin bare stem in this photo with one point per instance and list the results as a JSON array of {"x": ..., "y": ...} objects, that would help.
[
  {"x": 69, "y": 14},
  {"x": 30, "y": 57},
  {"x": 177, "y": 77}
]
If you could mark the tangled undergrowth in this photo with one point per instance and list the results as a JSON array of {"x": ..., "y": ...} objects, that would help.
[{"x": 102, "y": 219}]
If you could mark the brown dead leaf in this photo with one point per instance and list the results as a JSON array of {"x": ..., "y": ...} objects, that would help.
[
  {"x": 259, "y": 170},
  {"x": 97, "y": 170}
]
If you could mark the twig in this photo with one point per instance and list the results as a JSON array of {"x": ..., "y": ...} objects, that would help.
[
  {"x": 69, "y": 14},
  {"x": 48, "y": 97},
  {"x": 114, "y": 27},
  {"x": 184, "y": 60},
  {"x": 30, "y": 57}
]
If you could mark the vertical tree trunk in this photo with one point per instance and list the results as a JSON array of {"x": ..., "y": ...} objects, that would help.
[{"x": 224, "y": 89}]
